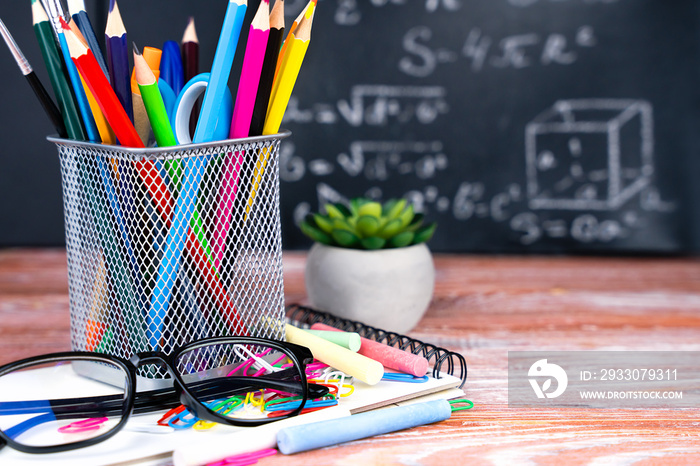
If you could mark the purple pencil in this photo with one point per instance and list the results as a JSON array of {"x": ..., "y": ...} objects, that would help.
[
  {"x": 240, "y": 124},
  {"x": 118, "y": 58}
]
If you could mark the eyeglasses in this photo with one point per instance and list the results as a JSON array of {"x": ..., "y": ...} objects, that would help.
[{"x": 70, "y": 400}]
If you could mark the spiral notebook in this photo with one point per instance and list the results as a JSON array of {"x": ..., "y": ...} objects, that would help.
[{"x": 442, "y": 360}]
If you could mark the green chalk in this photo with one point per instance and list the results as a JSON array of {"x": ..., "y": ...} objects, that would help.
[{"x": 349, "y": 340}]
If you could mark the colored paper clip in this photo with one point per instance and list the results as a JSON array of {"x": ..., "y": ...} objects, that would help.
[
  {"x": 86, "y": 425},
  {"x": 165, "y": 420},
  {"x": 278, "y": 405},
  {"x": 245, "y": 458},
  {"x": 223, "y": 407},
  {"x": 400, "y": 377},
  {"x": 455, "y": 404}
]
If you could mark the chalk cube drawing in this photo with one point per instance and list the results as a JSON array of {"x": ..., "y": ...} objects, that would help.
[{"x": 589, "y": 154}]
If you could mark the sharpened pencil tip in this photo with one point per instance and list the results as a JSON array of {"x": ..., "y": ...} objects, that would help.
[
  {"x": 111, "y": 5},
  {"x": 64, "y": 25}
]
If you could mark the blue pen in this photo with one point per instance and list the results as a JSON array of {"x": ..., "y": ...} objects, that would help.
[
  {"x": 171, "y": 66},
  {"x": 194, "y": 169}
]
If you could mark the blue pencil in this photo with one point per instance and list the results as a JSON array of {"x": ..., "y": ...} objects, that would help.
[
  {"x": 90, "y": 127},
  {"x": 82, "y": 20},
  {"x": 194, "y": 169}
]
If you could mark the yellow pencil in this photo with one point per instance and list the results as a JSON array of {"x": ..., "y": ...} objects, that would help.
[
  {"x": 307, "y": 12},
  {"x": 298, "y": 43}
]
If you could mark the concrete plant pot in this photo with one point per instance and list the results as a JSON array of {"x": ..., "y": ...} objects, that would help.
[{"x": 388, "y": 288}]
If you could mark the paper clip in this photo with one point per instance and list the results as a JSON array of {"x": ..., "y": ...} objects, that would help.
[
  {"x": 401, "y": 377},
  {"x": 455, "y": 404},
  {"x": 86, "y": 425},
  {"x": 163, "y": 421},
  {"x": 245, "y": 458},
  {"x": 280, "y": 405}
]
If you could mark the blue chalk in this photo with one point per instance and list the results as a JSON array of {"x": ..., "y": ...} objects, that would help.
[{"x": 322, "y": 434}]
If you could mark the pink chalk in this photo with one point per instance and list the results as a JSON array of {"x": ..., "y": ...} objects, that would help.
[{"x": 389, "y": 356}]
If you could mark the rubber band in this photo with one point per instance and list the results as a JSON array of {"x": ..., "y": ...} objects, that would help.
[
  {"x": 455, "y": 407},
  {"x": 85, "y": 425}
]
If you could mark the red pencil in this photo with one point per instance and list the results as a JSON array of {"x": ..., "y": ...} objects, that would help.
[{"x": 110, "y": 105}]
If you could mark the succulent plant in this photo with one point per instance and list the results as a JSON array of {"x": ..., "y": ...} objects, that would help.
[{"x": 367, "y": 224}]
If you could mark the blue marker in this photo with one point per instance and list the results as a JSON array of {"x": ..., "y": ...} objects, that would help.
[{"x": 194, "y": 169}]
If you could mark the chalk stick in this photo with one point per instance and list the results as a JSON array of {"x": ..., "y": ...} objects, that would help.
[
  {"x": 332, "y": 432},
  {"x": 361, "y": 367},
  {"x": 349, "y": 340},
  {"x": 393, "y": 358}
]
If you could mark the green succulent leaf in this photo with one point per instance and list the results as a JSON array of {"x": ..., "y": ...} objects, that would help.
[
  {"x": 314, "y": 233},
  {"x": 345, "y": 238},
  {"x": 343, "y": 209},
  {"x": 392, "y": 228},
  {"x": 323, "y": 223},
  {"x": 373, "y": 242},
  {"x": 401, "y": 240},
  {"x": 333, "y": 211},
  {"x": 356, "y": 203},
  {"x": 373, "y": 209},
  {"x": 367, "y": 226},
  {"x": 393, "y": 207},
  {"x": 342, "y": 224},
  {"x": 406, "y": 216},
  {"x": 416, "y": 223},
  {"x": 425, "y": 233}
]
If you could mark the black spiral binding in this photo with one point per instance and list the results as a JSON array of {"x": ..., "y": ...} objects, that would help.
[{"x": 305, "y": 316}]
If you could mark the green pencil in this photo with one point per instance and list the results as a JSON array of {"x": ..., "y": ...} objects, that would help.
[{"x": 57, "y": 72}]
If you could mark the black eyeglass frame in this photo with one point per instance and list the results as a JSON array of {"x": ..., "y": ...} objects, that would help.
[{"x": 178, "y": 394}]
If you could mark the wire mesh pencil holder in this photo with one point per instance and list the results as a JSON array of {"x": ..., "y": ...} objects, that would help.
[{"x": 166, "y": 246}]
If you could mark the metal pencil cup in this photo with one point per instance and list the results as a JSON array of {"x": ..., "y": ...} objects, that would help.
[{"x": 166, "y": 246}]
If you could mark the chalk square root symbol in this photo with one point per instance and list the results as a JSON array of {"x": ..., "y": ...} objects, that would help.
[{"x": 563, "y": 145}]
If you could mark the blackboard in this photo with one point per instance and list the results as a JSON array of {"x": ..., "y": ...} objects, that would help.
[{"x": 517, "y": 125}]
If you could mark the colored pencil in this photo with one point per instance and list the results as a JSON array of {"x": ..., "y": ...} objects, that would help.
[
  {"x": 240, "y": 124},
  {"x": 305, "y": 13},
  {"x": 194, "y": 166},
  {"x": 298, "y": 43},
  {"x": 57, "y": 73},
  {"x": 82, "y": 20},
  {"x": 267, "y": 75},
  {"x": 171, "y": 66},
  {"x": 152, "y": 56},
  {"x": 153, "y": 102},
  {"x": 110, "y": 104},
  {"x": 103, "y": 128},
  {"x": 118, "y": 58},
  {"x": 190, "y": 63},
  {"x": 54, "y": 11}
]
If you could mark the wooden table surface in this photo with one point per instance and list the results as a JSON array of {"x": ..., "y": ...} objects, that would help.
[{"x": 483, "y": 307}]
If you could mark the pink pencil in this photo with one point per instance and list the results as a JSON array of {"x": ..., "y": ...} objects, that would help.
[{"x": 240, "y": 124}]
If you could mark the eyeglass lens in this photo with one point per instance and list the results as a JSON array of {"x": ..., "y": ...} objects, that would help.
[{"x": 61, "y": 402}]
